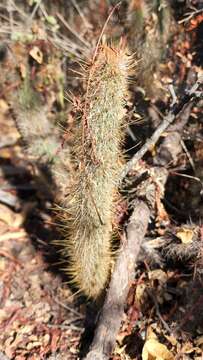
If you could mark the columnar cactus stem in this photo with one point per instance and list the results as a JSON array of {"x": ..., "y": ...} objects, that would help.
[
  {"x": 89, "y": 212},
  {"x": 149, "y": 31},
  {"x": 41, "y": 137},
  {"x": 36, "y": 130}
]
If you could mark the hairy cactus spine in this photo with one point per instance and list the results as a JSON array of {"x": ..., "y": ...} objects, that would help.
[{"x": 90, "y": 204}]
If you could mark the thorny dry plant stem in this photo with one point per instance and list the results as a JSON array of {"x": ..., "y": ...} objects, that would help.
[{"x": 175, "y": 111}]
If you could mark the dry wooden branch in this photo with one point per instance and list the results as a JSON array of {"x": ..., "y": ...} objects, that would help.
[
  {"x": 111, "y": 315},
  {"x": 176, "y": 110}
]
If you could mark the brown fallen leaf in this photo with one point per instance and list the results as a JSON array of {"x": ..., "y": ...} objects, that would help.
[
  {"x": 140, "y": 294},
  {"x": 36, "y": 54},
  {"x": 6, "y": 215},
  {"x": 12, "y": 219},
  {"x": 159, "y": 275},
  {"x": 185, "y": 235},
  {"x": 154, "y": 350},
  {"x": 13, "y": 235},
  {"x": 4, "y": 107}
]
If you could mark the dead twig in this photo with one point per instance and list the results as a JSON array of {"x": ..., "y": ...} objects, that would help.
[
  {"x": 190, "y": 15},
  {"x": 74, "y": 32},
  {"x": 164, "y": 323},
  {"x": 176, "y": 110},
  {"x": 84, "y": 19},
  {"x": 65, "y": 306}
]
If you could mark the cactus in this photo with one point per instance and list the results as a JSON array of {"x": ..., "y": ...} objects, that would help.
[
  {"x": 41, "y": 137},
  {"x": 87, "y": 211},
  {"x": 89, "y": 207},
  {"x": 36, "y": 130},
  {"x": 149, "y": 23}
]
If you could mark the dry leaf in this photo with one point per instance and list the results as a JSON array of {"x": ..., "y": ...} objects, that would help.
[
  {"x": 3, "y": 107},
  {"x": 171, "y": 339},
  {"x": 188, "y": 348},
  {"x": 9, "y": 217},
  {"x": 140, "y": 293},
  {"x": 150, "y": 332},
  {"x": 159, "y": 275},
  {"x": 13, "y": 235},
  {"x": 6, "y": 215},
  {"x": 33, "y": 344},
  {"x": 185, "y": 235},
  {"x": 36, "y": 54},
  {"x": 4, "y": 315},
  {"x": 154, "y": 350},
  {"x": 199, "y": 340}
]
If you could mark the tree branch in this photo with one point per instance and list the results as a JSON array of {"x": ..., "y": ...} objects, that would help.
[{"x": 176, "y": 110}]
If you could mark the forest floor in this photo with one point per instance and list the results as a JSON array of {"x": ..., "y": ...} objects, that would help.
[{"x": 40, "y": 318}]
